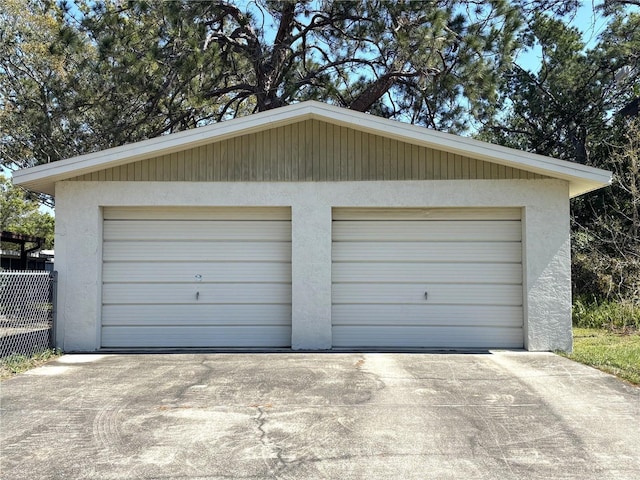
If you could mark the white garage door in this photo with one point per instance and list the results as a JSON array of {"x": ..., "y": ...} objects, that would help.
[
  {"x": 198, "y": 277},
  {"x": 427, "y": 278}
]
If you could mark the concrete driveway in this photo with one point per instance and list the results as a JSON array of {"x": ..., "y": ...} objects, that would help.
[{"x": 508, "y": 415}]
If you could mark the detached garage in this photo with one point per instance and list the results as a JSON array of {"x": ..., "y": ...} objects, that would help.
[{"x": 313, "y": 227}]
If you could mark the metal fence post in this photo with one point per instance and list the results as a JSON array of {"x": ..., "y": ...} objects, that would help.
[{"x": 54, "y": 307}]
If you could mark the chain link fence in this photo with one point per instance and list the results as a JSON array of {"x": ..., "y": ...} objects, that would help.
[{"x": 27, "y": 307}]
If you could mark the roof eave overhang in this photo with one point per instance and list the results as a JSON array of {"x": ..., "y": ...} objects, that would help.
[{"x": 582, "y": 179}]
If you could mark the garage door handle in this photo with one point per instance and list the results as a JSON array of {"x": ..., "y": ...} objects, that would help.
[{"x": 426, "y": 295}]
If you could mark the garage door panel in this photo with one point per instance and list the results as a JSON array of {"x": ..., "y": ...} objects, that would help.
[
  {"x": 211, "y": 293},
  {"x": 197, "y": 213},
  {"x": 194, "y": 251},
  {"x": 196, "y": 277},
  {"x": 191, "y": 230},
  {"x": 467, "y": 260},
  {"x": 427, "y": 315},
  {"x": 202, "y": 314},
  {"x": 360, "y": 214},
  {"x": 452, "y": 294},
  {"x": 424, "y": 272},
  {"x": 196, "y": 336},
  {"x": 431, "y": 231},
  {"x": 430, "y": 337},
  {"x": 184, "y": 272},
  {"x": 427, "y": 252}
]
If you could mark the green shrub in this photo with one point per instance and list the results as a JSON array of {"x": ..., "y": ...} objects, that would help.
[
  {"x": 605, "y": 314},
  {"x": 597, "y": 275}
]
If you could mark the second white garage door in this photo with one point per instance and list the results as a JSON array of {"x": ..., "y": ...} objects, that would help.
[
  {"x": 448, "y": 278},
  {"x": 200, "y": 277}
]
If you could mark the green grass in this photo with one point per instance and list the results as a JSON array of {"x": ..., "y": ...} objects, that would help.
[
  {"x": 610, "y": 351},
  {"x": 14, "y": 364}
]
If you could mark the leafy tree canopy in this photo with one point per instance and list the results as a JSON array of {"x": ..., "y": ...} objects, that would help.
[
  {"x": 582, "y": 105},
  {"x": 83, "y": 75},
  {"x": 19, "y": 213},
  {"x": 573, "y": 102}
]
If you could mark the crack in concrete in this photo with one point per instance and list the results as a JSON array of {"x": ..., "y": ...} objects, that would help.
[
  {"x": 281, "y": 464},
  {"x": 265, "y": 440}
]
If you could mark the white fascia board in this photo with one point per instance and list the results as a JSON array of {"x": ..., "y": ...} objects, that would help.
[{"x": 580, "y": 177}]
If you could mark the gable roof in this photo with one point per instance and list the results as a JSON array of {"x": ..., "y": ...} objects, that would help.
[{"x": 581, "y": 178}]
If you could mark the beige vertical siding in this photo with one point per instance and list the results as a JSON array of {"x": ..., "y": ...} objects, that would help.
[{"x": 308, "y": 151}]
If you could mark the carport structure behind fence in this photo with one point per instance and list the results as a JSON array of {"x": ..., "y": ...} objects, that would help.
[{"x": 27, "y": 312}]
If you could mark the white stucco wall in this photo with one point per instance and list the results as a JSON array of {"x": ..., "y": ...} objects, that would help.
[{"x": 546, "y": 260}]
